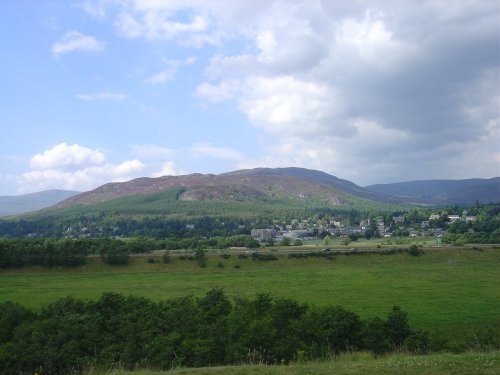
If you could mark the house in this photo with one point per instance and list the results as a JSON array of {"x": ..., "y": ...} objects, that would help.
[
  {"x": 335, "y": 223},
  {"x": 453, "y": 218},
  {"x": 424, "y": 224},
  {"x": 434, "y": 217},
  {"x": 263, "y": 234},
  {"x": 381, "y": 228},
  {"x": 437, "y": 232},
  {"x": 398, "y": 219},
  {"x": 190, "y": 226},
  {"x": 299, "y": 233}
]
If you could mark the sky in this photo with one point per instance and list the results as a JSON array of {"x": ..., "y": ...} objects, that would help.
[{"x": 98, "y": 91}]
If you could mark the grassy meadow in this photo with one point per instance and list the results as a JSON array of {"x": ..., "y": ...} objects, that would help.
[
  {"x": 355, "y": 363},
  {"x": 451, "y": 292}
]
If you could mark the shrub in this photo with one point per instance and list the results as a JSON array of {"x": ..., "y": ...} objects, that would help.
[
  {"x": 415, "y": 250},
  {"x": 264, "y": 257},
  {"x": 418, "y": 342},
  {"x": 166, "y": 257}
]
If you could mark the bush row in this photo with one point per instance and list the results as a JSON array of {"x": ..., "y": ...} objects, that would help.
[{"x": 70, "y": 335}]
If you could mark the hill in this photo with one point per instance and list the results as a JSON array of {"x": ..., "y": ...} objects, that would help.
[
  {"x": 15, "y": 205},
  {"x": 443, "y": 192},
  {"x": 319, "y": 177},
  {"x": 264, "y": 185}
]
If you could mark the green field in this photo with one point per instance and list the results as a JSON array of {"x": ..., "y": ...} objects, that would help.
[
  {"x": 451, "y": 292},
  {"x": 356, "y": 363}
]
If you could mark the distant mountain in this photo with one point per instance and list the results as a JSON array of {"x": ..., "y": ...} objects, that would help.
[
  {"x": 19, "y": 204},
  {"x": 443, "y": 192}
]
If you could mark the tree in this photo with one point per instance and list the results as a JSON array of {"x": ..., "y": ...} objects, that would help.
[
  {"x": 326, "y": 240},
  {"x": 415, "y": 250},
  {"x": 375, "y": 336},
  {"x": 115, "y": 254},
  {"x": 397, "y": 326},
  {"x": 285, "y": 241}
]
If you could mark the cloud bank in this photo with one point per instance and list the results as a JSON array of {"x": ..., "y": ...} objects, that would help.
[
  {"x": 369, "y": 91},
  {"x": 75, "y": 167}
]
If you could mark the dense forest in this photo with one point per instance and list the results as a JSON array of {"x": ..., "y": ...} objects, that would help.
[{"x": 70, "y": 335}]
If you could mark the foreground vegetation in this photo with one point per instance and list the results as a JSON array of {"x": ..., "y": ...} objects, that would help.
[
  {"x": 353, "y": 363},
  {"x": 70, "y": 335}
]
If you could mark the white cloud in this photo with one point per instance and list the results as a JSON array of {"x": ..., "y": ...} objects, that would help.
[
  {"x": 76, "y": 41},
  {"x": 170, "y": 71},
  {"x": 207, "y": 149},
  {"x": 127, "y": 168},
  {"x": 64, "y": 155},
  {"x": 94, "y": 9},
  {"x": 161, "y": 77},
  {"x": 105, "y": 95},
  {"x": 290, "y": 107},
  {"x": 156, "y": 23},
  {"x": 168, "y": 169},
  {"x": 127, "y": 26},
  {"x": 75, "y": 167},
  {"x": 225, "y": 90}
]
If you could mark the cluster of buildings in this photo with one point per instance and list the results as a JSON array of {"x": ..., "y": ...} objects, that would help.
[{"x": 305, "y": 229}]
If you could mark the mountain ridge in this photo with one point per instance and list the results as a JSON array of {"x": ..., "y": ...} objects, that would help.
[
  {"x": 443, "y": 191},
  {"x": 20, "y": 204}
]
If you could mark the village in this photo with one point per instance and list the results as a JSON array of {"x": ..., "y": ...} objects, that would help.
[{"x": 379, "y": 227}]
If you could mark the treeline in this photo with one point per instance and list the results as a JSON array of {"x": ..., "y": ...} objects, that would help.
[
  {"x": 19, "y": 252},
  {"x": 194, "y": 243},
  {"x": 46, "y": 252},
  {"x": 70, "y": 335}
]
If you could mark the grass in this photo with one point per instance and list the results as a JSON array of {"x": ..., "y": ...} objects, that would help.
[
  {"x": 451, "y": 292},
  {"x": 356, "y": 363}
]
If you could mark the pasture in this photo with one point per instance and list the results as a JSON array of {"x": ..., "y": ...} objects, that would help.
[{"x": 451, "y": 292}]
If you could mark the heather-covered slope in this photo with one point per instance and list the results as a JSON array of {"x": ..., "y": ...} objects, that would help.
[{"x": 255, "y": 185}]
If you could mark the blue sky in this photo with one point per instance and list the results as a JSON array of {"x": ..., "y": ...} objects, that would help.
[{"x": 374, "y": 92}]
